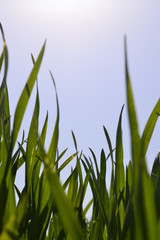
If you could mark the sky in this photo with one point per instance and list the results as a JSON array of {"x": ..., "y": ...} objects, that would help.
[{"x": 85, "y": 52}]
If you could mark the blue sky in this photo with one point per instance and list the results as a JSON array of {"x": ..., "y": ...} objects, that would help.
[{"x": 85, "y": 52}]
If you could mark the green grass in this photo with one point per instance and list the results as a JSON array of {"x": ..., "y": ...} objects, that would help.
[{"x": 47, "y": 209}]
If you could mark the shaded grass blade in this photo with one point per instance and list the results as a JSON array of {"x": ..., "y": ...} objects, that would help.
[
  {"x": 67, "y": 214},
  {"x": 119, "y": 170}
]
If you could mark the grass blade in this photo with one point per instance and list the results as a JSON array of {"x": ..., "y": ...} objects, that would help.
[
  {"x": 150, "y": 125},
  {"x": 119, "y": 170},
  {"x": 67, "y": 214},
  {"x": 24, "y": 98},
  {"x": 54, "y": 141},
  {"x": 134, "y": 132}
]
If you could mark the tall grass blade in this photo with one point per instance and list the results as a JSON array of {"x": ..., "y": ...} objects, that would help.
[
  {"x": 134, "y": 132},
  {"x": 54, "y": 141},
  {"x": 24, "y": 98},
  {"x": 119, "y": 170}
]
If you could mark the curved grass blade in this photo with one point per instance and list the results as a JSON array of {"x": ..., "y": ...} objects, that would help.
[
  {"x": 109, "y": 143},
  {"x": 24, "y": 98},
  {"x": 150, "y": 125},
  {"x": 95, "y": 162}
]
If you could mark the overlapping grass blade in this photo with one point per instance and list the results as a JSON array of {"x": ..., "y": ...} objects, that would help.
[
  {"x": 109, "y": 143},
  {"x": 147, "y": 217},
  {"x": 32, "y": 143},
  {"x": 70, "y": 222},
  {"x": 66, "y": 162},
  {"x": 13, "y": 227}
]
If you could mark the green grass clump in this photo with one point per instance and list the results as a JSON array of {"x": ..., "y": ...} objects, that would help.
[{"x": 47, "y": 209}]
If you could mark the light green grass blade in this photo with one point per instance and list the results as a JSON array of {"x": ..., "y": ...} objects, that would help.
[
  {"x": 32, "y": 143},
  {"x": 14, "y": 225},
  {"x": 86, "y": 209},
  {"x": 66, "y": 162},
  {"x": 70, "y": 222},
  {"x": 54, "y": 141},
  {"x": 119, "y": 170},
  {"x": 73, "y": 187},
  {"x": 38, "y": 163},
  {"x": 59, "y": 157},
  {"x": 146, "y": 208},
  {"x": 150, "y": 125},
  {"x": 24, "y": 98}
]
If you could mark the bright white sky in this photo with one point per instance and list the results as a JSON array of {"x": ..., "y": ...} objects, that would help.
[{"x": 85, "y": 52}]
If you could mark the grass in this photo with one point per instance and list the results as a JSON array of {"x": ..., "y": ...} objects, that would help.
[{"x": 47, "y": 209}]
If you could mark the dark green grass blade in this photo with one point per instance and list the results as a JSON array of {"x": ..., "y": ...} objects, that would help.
[
  {"x": 129, "y": 181},
  {"x": 24, "y": 98},
  {"x": 7, "y": 118},
  {"x": 79, "y": 199},
  {"x": 109, "y": 142},
  {"x": 95, "y": 162},
  {"x": 1, "y": 61},
  {"x": 69, "y": 219},
  {"x": 98, "y": 193},
  {"x": 84, "y": 189},
  {"x": 54, "y": 141},
  {"x": 119, "y": 170},
  {"x": 43, "y": 208},
  {"x": 103, "y": 187},
  {"x": 150, "y": 125},
  {"x": 74, "y": 140}
]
